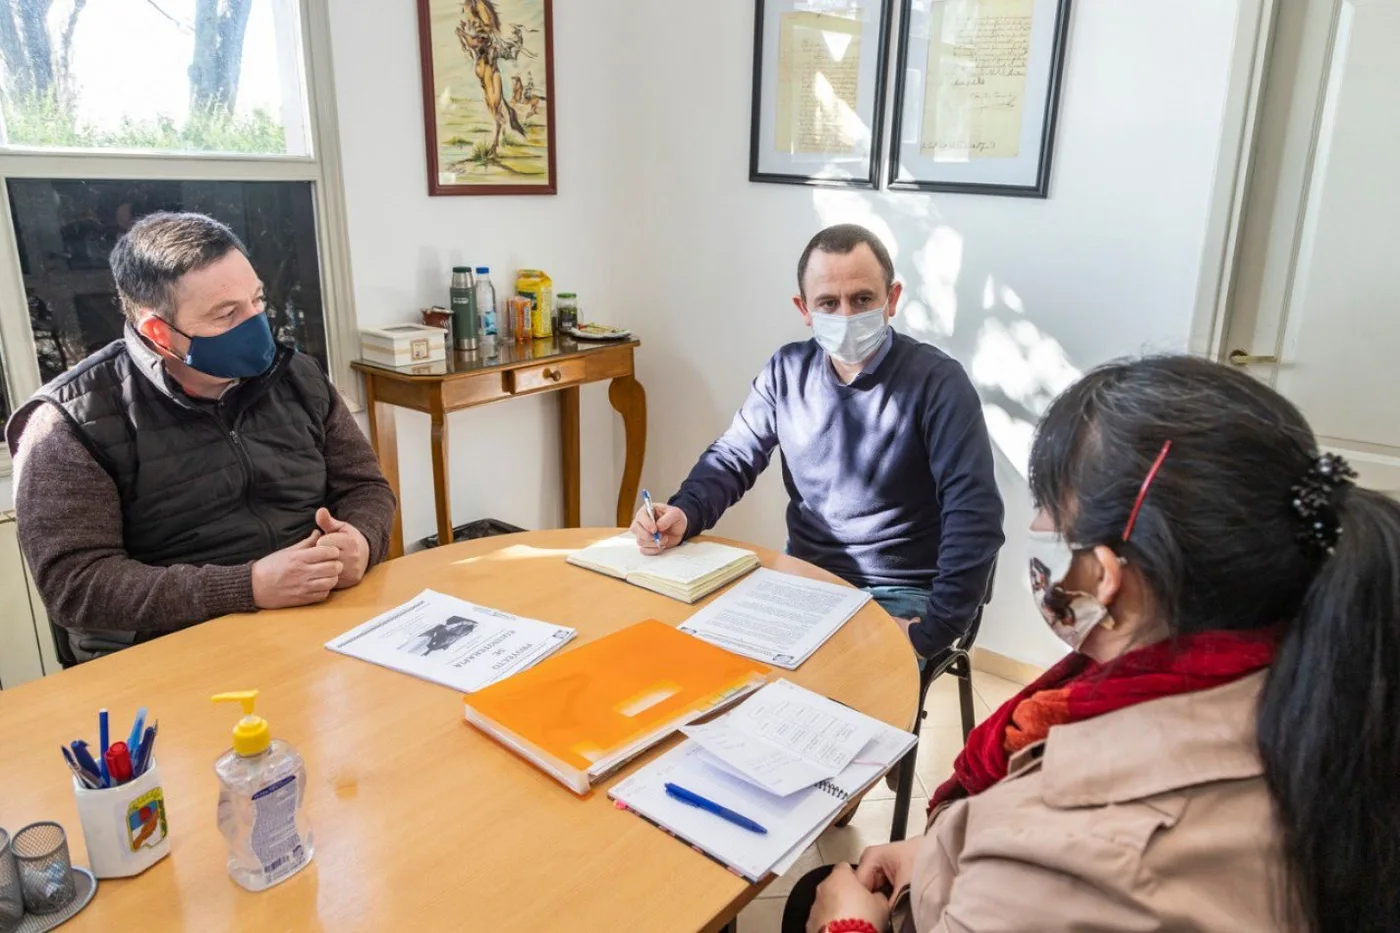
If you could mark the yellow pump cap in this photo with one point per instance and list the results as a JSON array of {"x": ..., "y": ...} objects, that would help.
[{"x": 251, "y": 736}]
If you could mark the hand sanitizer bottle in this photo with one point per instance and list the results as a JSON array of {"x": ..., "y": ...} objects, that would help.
[{"x": 262, "y": 788}]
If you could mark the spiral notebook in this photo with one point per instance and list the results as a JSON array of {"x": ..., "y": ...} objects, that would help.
[{"x": 793, "y": 821}]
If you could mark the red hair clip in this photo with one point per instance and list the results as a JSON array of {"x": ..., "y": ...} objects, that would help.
[{"x": 1142, "y": 493}]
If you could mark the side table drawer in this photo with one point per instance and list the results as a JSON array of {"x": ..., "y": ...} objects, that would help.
[{"x": 549, "y": 375}]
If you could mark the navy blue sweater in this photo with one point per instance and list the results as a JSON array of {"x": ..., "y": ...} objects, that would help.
[{"x": 889, "y": 479}]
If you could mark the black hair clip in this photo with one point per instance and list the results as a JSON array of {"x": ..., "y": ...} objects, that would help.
[{"x": 1315, "y": 504}]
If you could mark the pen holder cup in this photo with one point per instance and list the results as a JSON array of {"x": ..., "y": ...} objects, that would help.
[{"x": 124, "y": 827}]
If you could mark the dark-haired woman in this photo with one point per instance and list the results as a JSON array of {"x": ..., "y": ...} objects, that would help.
[{"x": 1221, "y": 752}]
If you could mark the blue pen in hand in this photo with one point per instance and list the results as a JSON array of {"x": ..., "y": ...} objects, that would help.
[
  {"x": 651, "y": 514},
  {"x": 709, "y": 806}
]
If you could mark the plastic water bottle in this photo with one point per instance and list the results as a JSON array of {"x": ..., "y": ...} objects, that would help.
[
  {"x": 262, "y": 792},
  {"x": 487, "y": 319}
]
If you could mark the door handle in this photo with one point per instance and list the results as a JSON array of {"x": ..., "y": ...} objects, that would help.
[{"x": 1241, "y": 358}]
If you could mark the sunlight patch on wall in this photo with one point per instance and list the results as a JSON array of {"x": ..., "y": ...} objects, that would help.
[
  {"x": 1012, "y": 436},
  {"x": 1021, "y": 361},
  {"x": 834, "y": 206},
  {"x": 1028, "y": 368},
  {"x": 938, "y": 263},
  {"x": 1012, "y": 300},
  {"x": 993, "y": 291},
  {"x": 918, "y": 319}
]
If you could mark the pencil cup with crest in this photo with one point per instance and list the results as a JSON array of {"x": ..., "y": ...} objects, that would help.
[{"x": 124, "y": 826}]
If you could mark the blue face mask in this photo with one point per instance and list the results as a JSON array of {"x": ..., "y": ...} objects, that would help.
[{"x": 240, "y": 352}]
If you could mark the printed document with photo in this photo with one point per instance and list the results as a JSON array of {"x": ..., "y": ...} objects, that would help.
[{"x": 452, "y": 642}]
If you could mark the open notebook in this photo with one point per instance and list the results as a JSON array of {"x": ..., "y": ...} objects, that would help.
[
  {"x": 793, "y": 820},
  {"x": 689, "y": 572},
  {"x": 584, "y": 713}
]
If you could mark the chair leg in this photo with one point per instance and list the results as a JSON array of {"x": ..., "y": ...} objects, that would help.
[
  {"x": 965, "y": 698},
  {"x": 902, "y": 793}
]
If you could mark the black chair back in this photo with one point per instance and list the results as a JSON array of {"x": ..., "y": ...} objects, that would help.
[
  {"x": 962, "y": 648},
  {"x": 957, "y": 660},
  {"x": 62, "y": 647}
]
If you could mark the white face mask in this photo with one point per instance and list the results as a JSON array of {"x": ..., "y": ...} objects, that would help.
[
  {"x": 1071, "y": 614},
  {"x": 850, "y": 339}
]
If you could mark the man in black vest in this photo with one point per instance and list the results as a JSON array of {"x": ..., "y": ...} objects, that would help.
[{"x": 193, "y": 468}]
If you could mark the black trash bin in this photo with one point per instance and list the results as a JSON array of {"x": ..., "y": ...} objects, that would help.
[{"x": 481, "y": 528}]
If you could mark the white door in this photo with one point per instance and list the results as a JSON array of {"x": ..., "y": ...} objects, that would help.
[{"x": 1315, "y": 301}]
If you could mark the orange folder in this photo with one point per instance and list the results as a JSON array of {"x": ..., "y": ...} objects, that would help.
[{"x": 582, "y": 714}]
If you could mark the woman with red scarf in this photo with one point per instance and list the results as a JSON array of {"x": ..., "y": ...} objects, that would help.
[{"x": 1221, "y": 750}]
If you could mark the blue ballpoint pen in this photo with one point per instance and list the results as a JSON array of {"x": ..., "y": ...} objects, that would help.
[
  {"x": 105, "y": 740},
  {"x": 138, "y": 729},
  {"x": 143, "y": 756},
  {"x": 709, "y": 806},
  {"x": 651, "y": 514},
  {"x": 87, "y": 778},
  {"x": 84, "y": 759}
]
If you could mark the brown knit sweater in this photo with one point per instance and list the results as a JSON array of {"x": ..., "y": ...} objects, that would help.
[{"x": 70, "y": 529}]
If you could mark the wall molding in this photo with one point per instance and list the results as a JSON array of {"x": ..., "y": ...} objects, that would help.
[{"x": 999, "y": 665}]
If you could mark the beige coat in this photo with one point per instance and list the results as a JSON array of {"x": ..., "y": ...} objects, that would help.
[{"x": 1154, "y": 817}]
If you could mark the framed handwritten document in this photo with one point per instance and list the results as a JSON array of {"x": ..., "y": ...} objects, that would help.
[
  {"x": 819, "y": 91},
  {"x": 976, "y": 91}
]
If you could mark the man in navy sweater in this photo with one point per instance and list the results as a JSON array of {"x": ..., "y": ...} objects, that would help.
[{"x": 885, "y": 452}]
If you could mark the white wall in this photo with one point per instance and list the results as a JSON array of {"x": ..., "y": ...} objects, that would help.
[
  {"x": 657, "y": 227},
  {"x": 505, "y": 457},
  {"x": 1025, "y": 293}
]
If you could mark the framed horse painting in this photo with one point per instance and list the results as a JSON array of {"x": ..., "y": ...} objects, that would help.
[{"x": 488, "y": 95}]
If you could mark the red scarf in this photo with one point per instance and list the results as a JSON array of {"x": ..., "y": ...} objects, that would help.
[{"x": 1078, "y": 688}]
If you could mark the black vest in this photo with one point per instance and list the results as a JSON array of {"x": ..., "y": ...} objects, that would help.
[{"x": 201, "y": 482}]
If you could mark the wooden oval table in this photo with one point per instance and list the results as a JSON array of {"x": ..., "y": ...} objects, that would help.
[{"x": 421, "y": 822}]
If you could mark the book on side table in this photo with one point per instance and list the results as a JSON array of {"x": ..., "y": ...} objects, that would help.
[{"x": 688, "y": 573}]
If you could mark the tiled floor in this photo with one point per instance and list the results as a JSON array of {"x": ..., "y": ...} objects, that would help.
[{"x": 938, "y": 746}]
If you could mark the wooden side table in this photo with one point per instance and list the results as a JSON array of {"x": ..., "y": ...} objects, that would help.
[{"x": 466, "y": 380}]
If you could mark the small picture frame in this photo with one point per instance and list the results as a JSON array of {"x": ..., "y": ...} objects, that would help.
[
  {"x": 977, "y": 87},
  {"x": 819, "y": 80}
]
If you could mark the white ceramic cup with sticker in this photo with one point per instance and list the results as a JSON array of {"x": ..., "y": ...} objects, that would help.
[{"x": 124, "y": 827}]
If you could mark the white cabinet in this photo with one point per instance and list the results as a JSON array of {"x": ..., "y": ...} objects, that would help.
[{"x": 26, "y": 647}]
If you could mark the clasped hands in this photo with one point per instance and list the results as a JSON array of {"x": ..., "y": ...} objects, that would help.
[
  {"x": 333, "y": 557},
  {"x": 864, "y": 893}
]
